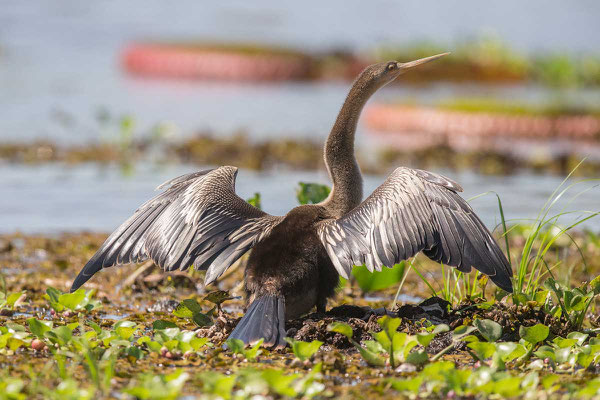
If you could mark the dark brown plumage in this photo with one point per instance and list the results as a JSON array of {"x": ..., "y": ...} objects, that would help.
[{"x": 296, "y": 259}]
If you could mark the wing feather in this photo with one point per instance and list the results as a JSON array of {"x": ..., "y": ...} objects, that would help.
[
  {"x": 198, "y": 220},
  {"x": 414, "y": 211}
]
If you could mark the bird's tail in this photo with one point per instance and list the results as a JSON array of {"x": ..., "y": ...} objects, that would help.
[{"x": 265, "y": 318}]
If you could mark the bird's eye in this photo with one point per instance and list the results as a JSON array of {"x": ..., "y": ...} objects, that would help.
[{"x": 391, "y": 66}]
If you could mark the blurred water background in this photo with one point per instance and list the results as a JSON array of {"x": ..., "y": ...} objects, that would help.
[{"x": 60, "y": 73}]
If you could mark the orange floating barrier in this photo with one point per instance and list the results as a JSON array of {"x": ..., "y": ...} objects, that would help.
[{"x": 214, "y": 63}]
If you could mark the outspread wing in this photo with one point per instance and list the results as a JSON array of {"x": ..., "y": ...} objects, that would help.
[
  {"x": 412, "y": 211},
  {"x": 198, "y": 220}
]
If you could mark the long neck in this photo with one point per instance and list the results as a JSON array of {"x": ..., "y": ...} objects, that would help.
[{"x": 339, "y": 153}]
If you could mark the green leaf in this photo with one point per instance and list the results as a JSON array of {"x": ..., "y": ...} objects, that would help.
[
  {"x": 534, "y": 334},
  {"x": 255, "y": 200},
  {"x": 578, "y": 336},
  {"x": 342, "y": 328},
  {"x": 162, "y": 324},
  {"x": 389, "y": 325},
  {"x": 484, "y": 350},
  {"x": 595, "y": 285},
  {"x": 217, "y": 297},
  {"x": 39, "y": 328},
  {"x": 52, "y": 295},
  {"x": 125, "y": 332},
  {"x": 304, "y": 350},
  {"x": 378, "y": 280},
  {"x": 371, "y": 358},
  {"x": 417, "y": 358},
  {"x": 201, "y": 319},
  {"x": 72, "y": 300},
  {"x": 411, "y": 385},
  {"x": 312, "y": 193},
  {"x": 181, "y": 311},
  {"x": 280, "y": 383},
  {"x": 235, "y": 345},
  {"x": 253, "y": 351},
  {"x": 13, "y": 297},
  {"x": 197, "y": 343},
  {"x": 14, "y": 343},
  {"x": 489, "y": 329}
]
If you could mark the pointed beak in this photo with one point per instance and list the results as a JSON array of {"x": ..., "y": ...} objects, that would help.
[{"x": 405, "y": 66}]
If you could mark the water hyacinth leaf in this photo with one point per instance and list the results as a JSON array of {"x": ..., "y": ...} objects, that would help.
[
  {"x": 342, "y": 328},
  {"x": 545, "y": 352},
  {"x": 417, "y": 358},
  {"x": 425, "y": 338},
  {"x": 125, "y": 332},
  {"x": 235, "y": 345},
  {"x": 217, "y": 384},
  {"x": 13, "y": 297},
  {"x": 578, "y": 336},
  {"x": 407, "y": 385},
  {"x": 217, "y": 297},
  {"x": 534, "y": 334},
  {"x": 192, "y": 305},
  {"x": 181, "y": 311},
  {"x": 389, "y": 325},
  {"x": 280, "y": 383},
  {"x": 462, "y": 331},
  {"x": 506, "y": 348},
  {"x": 39, "y": 328},
  {"x": 201, "y": 319},
  {"x": 63, "y": 333},
  {"x": 73, "y": 300},
  {"x": 484, "y": 350},
  {"x": 14, "y": 343},
  {"x": 161, "y": 324},
  {"x": 52, "y": 295},
  {"x": 371, "y": 357},
  {"x": 562, "y": 343},
  {"x": 134, "y": 352},
  {"x": 378, "y": 280},
  {"x": 253, "y": 351},
  {"x": 490, "y": 330},
  {"x": 304, "y": 350},
  {"x": 198, "y": 343}
]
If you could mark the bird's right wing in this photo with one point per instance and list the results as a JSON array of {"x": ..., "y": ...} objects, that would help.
[
  {"x": 414, "y": 211},
  {"x": 199, "y": 220}
]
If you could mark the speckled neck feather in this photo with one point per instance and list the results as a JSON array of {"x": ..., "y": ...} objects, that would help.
[{"x": 341, "y": 163}]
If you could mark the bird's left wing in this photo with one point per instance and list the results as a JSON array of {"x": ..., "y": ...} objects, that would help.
[
  {"x": 413, "y": 211},
  {"x": 198, "y": 220}
]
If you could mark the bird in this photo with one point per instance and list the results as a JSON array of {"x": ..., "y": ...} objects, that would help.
[{"x": 296, "y": 260}]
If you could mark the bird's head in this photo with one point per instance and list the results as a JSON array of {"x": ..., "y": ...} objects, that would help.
[{"x": 381, "y": 74}]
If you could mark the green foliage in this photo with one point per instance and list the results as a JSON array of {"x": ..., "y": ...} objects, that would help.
[
  {"x": 342, "y": 328},
  {"x": 304, "y": 350},
  {"x": 159, "y": 387},
  {"x": 8, "y": 300},
  {"x": 191, "y": 309},
  {"x": 573, "y": 303},
  {"x": 81, "y": 300},
  {"x": 272, "y": 382},
  {"x": 312, "y": 193},
  {"x": 489, "y": 329},
  {"x": 534, "y": 334},
  {"x": 238, "y": 347},
  {"x": 255, "y": 201},
  {"x": 378, "y": 280}
]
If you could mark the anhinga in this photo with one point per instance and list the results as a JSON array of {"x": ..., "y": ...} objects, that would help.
[{"x": 296, "y": 259}]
